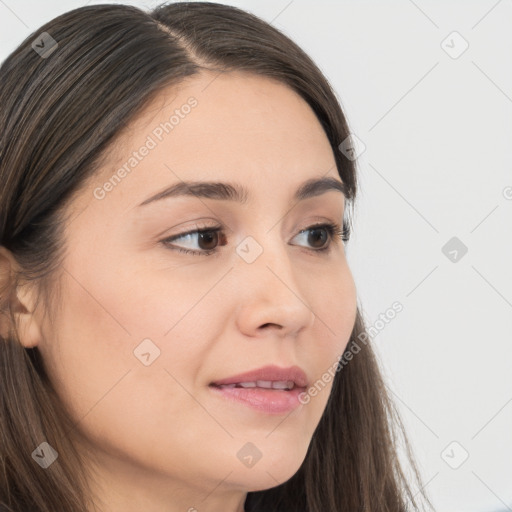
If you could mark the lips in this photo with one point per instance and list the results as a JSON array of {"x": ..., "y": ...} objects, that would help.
[
  {"x": 268, "y": 377},
  {"x": 264, "y": 384},
  {"x": 268, "y": 390}
]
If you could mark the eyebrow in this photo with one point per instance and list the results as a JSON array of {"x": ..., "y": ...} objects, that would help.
[{"x": 235, "y": 192}]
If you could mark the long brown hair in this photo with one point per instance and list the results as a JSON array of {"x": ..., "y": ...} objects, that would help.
[{"x": 60, "y": 112}]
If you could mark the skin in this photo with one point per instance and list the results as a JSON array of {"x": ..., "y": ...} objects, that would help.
[{"x": 155, "y": 436}]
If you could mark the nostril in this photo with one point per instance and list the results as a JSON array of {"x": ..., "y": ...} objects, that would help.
[{"x": 269, "y": 323}]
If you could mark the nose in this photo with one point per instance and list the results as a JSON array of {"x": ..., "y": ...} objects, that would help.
[{"x": 272, "y": 295}]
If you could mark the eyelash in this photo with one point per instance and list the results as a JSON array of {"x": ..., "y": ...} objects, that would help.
[{"x": 335, "y": 232}]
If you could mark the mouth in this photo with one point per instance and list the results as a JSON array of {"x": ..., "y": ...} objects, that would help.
[
  {"x": 269, "y": 389},
  {"x": 267, "y": 377},
  {"x": 280, "y": 385}
]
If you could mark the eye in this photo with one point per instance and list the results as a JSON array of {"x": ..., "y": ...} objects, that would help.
[
  {"x": 206, "y": 237},
  {"x": 210, "y": 236},
  {"x": 317, "y": 231}
]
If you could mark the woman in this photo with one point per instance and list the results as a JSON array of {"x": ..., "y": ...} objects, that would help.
[{"x": 166, "y": 177}]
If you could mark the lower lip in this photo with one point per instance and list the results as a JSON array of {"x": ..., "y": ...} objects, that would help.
[{"x": 271, "y": 401}]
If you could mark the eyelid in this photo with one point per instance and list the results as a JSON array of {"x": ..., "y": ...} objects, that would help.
[
  {"x": 338, "y": 232},
  {"x": 201, "y": 225}
]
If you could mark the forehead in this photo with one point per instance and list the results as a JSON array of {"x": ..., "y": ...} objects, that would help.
[{"x": 232, "y": 127}]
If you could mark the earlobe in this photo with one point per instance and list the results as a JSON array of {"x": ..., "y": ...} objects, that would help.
[
  {"x": 26, "y": 321},
  {"x": 21, "y": 302}
]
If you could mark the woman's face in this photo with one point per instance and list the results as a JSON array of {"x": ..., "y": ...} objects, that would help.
[{"x": 144, "y": 330}]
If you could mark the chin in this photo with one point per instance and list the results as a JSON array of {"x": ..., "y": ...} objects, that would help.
[{"x": 269, "y": 471}]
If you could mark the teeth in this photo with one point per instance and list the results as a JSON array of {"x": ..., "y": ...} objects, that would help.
[
  {"x": 266, "y": 384},
  {"x": 248, "y": 384},
  {"x": 283, "y": 384}
]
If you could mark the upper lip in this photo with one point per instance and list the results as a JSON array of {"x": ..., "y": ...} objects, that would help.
[{"x": 269, "y": 373}]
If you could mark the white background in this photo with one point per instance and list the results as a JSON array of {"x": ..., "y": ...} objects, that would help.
[{"x": 437, "y": 164}]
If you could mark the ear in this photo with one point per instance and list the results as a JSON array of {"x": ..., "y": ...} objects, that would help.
[{"x": 22, "y": 301}]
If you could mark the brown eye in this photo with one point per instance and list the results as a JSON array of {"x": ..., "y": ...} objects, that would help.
[
  {"x": 207, "y": 240},
  {"x": 318, "y": 237}
]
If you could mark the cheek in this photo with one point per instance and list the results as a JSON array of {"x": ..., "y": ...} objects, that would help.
[
  {"x": 334, "y": 303},
  {"x": 90, "y": 353},
  {"x": 111, "y": 395},
  {"x": 336, "y": 309},
  {"x": 109, "y": 309},
  {"x": 89, "y": 350},
  {"x": 344, "y": 308},
  {"x": 108, "y": 324}
]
